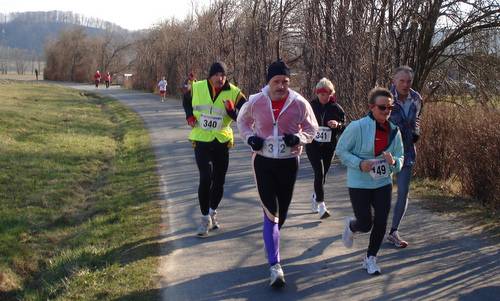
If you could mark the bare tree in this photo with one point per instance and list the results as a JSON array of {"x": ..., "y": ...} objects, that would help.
[
  {"x": 21, "y": 60},
  {"x": 110, "y": 50},
  {"x": 422, "y": 32}
]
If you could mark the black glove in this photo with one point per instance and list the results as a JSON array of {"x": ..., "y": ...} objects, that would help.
[
  {"x": 291, "y": 140},
  {"x": 415, "y": 137},
  {"x": 255, "y": 142}
]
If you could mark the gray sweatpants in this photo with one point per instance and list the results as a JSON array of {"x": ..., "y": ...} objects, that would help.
[{"x": 403, "y": 181}]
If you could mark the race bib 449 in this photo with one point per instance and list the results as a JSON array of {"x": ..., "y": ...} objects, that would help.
[{"x": 380, "y": 169}]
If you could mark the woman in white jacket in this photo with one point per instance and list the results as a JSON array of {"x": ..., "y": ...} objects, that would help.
[{"x": 276, "y": 123}]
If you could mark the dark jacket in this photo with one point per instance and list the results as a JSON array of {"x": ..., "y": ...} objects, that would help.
[
  {"x": 408, "y": 125},
  {"x": 329, "y": 111}
]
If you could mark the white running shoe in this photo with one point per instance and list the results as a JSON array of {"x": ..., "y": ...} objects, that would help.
[
  {"x": 396, "y": 240},
  {"x": 370, "y": 264},
  {"x": 314, "y": 205},
  {"x": 213, "y": 218},
  {"x": 348, "y": 235},
  {"x": 205, "y": 225},
  {"x": 277, "y": 276},
  {"x": 323, "y": 212}
]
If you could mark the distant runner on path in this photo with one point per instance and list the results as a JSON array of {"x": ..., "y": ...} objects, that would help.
[
  {"x": 107, "y": 79},
  {"x": 187, "y": 86},
  {"x": 162, "y": 85},
  {"x": 188, "y": 83},
  {"x": 276, "y": 123},
  {"x": 372, "y": 150},
  {"x": 97, "y": 78},
  {"x": 210, "y": 109},
  {"x": 331, "y": 119}
]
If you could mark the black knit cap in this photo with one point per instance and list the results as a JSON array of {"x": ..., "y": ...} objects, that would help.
[
  {"x": 277, "y": 68},
  {"x": 217, "y": 67}
]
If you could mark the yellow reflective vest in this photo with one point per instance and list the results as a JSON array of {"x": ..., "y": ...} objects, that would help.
[{"x": 212, "y": 121}]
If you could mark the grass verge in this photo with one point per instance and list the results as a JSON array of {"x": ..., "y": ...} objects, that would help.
[
  {"x": 444, "y": 198},
  {"x": 78, "y": 211}
]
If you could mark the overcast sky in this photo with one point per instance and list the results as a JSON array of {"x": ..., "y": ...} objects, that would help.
[{"x": 138, "y": 14}]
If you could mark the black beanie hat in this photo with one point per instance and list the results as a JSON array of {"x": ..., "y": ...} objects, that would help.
[
  {"x": 277, "y": 68},
  {"x": 217, "y": 67}
]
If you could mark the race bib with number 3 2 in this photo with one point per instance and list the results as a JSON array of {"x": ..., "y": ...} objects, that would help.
[{"x": 275, "y": 149}]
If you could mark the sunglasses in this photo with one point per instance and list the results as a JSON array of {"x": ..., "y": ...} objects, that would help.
[{"x": 383, "y": 108}]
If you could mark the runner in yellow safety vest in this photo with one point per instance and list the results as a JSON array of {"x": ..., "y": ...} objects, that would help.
[{"x": 212, "y": 106}]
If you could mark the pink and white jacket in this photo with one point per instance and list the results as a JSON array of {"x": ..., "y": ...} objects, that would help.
[{"x": 256, "y": 118}]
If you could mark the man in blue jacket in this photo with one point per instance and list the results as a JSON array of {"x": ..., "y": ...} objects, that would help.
[{"x": 406, "y": 115}]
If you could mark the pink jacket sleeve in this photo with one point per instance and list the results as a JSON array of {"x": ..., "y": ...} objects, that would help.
[
  {"x": 245, "y": 121},
  {"x": 309, "y": 124}
]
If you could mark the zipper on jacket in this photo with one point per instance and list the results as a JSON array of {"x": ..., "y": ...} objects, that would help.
[
  {"x": 323, "y": 117},
  {"x": 275, "y": 122},
  {"x": 402, "y": 110},
  {"x": 275, "y": 137}
]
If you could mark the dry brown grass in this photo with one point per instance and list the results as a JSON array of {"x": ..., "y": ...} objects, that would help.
[
  {"x": 463, "y": 144},
  {"x": 8, "y": 282}
]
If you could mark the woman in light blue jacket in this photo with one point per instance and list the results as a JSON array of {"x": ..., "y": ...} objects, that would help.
[{"x": 372, "y": 150}]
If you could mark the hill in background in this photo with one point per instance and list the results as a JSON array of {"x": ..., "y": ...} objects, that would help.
[{"x": 30, "y": 30}]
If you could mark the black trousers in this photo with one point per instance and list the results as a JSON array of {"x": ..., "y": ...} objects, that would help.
[
  {"x": 320, "y": 155},
  {"x": 363, "y": 200},
  {"x": 275, "y": 182},
  {"x": 212, "y": 159}
]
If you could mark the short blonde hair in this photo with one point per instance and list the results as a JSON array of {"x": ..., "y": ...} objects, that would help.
[{"x": 325, "y": 83}]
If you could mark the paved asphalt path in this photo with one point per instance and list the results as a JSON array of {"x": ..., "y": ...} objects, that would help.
[{"x": 445, "y": 260}]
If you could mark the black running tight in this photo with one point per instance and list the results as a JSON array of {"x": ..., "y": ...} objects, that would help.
[
  {"x": 275, "y": 181},
  {"x": 320, "y": 155},
  {"x": 362, "y": 201},
  {"x": 212, "y": 159}
]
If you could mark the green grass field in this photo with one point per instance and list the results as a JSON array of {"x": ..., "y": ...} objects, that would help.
[{"x": 79, "y": 219}]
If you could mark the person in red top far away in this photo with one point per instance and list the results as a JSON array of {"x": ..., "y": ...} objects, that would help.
[
  {"x": 107, "y": 79},
  {"x": 188, "y": 83},
  {"x": 162, "y": 85},
  {"x": 97, "y": 78}
]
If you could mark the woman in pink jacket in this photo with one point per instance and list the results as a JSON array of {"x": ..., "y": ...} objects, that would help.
[{"x": 276, "y": 123}]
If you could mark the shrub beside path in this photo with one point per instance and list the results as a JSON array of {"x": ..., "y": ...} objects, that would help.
[{"x": 446, "y": 259}]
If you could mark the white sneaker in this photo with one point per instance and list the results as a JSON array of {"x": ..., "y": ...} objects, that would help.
[
  {"x": 314, "y": 205},
  {"x": 323, "y": 212},
  {"x": 370, "y": 264},
  {"x": 348, "y": 235},
  {"x": 213, "y": 218},
  {"x": 205, "y": 225},
  {"x": 277, "y": 276}
]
